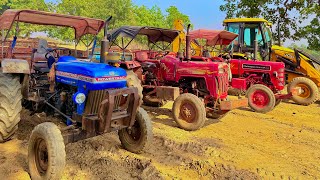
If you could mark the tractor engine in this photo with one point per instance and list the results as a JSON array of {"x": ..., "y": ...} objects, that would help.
[
  {"x": 83, "y": 86},
  {"x": 271, "y": 74},
  {"x": 150, "y": 72}
]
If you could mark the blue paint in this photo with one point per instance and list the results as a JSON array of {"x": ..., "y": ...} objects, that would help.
[{"x": 88, "y": 76}]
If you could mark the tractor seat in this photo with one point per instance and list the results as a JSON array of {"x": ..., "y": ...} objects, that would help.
[
  {"x": 141, "y": 55},
  {"x": 41, "y": 66}
]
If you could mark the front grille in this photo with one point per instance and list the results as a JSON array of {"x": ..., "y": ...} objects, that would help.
[
  {"x": 222, "y": 83},
  {"x": 95, "y": 98}
]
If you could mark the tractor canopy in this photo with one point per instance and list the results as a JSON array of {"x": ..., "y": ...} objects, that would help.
[
  {"x": 153, "y": 34},
  {"x": 213, "y": 37},
  {"x": 81, "y": 25}
]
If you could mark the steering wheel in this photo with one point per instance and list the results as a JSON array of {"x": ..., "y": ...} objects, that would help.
[
  {"x": 54, "y": 52},
  {"x": 161, "y": 54}
]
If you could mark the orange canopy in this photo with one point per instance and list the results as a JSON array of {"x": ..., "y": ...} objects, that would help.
[
  {"x": 82, "y": 25},
  {"x": 213, "y": 37}
]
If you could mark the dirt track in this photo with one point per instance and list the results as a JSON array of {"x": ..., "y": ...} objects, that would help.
[{"x": 284, "y": 144}]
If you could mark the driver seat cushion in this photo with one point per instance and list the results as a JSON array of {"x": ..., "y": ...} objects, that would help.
[
  {"x": 40, "y": 52},
  {"x": 41, "y": 66},
  {"x": 141, "y": 55}
]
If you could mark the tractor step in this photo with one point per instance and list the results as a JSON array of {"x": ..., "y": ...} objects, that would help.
[{"x": 233, "y": 104}]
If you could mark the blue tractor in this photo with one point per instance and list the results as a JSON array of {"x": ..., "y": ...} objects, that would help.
[{"x": 92, "y": 98}]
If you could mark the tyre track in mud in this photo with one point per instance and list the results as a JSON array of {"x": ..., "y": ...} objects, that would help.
[{"x": 242, "y": 145}]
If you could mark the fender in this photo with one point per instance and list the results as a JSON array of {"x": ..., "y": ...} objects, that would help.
[{"x": 18, "y": 66}]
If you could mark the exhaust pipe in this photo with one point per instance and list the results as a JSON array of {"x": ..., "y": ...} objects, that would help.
[
  {"x": 255, "y": 51},
  {"x": 279, "y": 35},
  {"x": 188, "y": 43},
  {"x": 105, "y": 41}
]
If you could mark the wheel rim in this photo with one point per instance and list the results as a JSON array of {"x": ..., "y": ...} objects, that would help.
[
  {"x": 188, "y": 112},
  {"x": 260, "y": 98},
  {"x": 134, "y": 133},
  {"x": 41, "y": 156},
  {"x": 305, "y": 90}
]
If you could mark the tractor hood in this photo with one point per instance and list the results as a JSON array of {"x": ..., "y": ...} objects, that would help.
[{"x": 95, "y": 76}]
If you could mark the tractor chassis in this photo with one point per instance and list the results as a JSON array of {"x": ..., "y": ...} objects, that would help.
[
  {"x": 294, "y": 92},
  {"x": 107, "y": 119}
]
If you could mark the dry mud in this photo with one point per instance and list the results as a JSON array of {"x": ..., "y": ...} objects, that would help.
[{"x": 282, "y": 144}]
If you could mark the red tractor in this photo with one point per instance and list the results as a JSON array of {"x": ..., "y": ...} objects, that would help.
[
  {"x": 203, "y": 85},
  {"x": 261, "y": 81}
]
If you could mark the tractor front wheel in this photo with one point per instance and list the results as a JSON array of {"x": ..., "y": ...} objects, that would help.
[
  {"x": 260, "y": 98},
  {"x": 309, "y": 91},
  {"x": 189, "y": 112},
  {"x": 138, "y": 137},
  {"x": 46, "y": 152}
]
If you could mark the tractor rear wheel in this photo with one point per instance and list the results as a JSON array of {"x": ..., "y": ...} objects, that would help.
[
  {"x": 189, "y": 112},
  {"x": 260, "y": 98},
  {"x": 309, "y": 91},
  {"x": 134, "y": 81},
  {"x": 139, "y": 136},
  {"x": 46, "y": 152},
  {"x": 10, "y": 105}
]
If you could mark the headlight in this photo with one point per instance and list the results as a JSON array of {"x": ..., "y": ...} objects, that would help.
[
  {"x": 79, "y": 98},
  {"x": 275, "y": 73}
]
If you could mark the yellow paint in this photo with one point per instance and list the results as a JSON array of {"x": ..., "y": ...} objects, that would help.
[{"x": 178, "y": 43}]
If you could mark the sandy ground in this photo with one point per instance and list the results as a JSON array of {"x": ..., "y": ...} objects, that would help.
[{"x": 282, "y": 144}]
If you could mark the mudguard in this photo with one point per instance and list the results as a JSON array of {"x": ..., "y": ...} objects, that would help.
[{"x": 15, "y": 66}]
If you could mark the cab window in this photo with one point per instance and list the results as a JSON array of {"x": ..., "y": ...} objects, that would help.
[{"x": 252, "y": 32}]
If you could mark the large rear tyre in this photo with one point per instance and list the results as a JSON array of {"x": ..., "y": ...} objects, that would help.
[
  {"x": 134, "y": 81},
  {"x": 10, "y": 105},
  {"x": 139, "y": 136},
  {"x": 189, "y": 112},
  {"x": 46, "y": 152},
  {"x": 309, "y": 89},
  {"x": 260, "y": 98}
]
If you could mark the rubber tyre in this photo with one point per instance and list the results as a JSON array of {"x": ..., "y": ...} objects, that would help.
[
  {"x": 236, "y": 92},
  {"x": 278, "y": 101},
  {"x": 49, "y": 135},
  {"x": 312, "y": 87},
  {"x": 196, "y": 105},
  {"x": 269, "y": 94},
  {"x": 10, "y": 105},
  {"x": 143, "y": 127},
  {"x": 134, "y": 81}
]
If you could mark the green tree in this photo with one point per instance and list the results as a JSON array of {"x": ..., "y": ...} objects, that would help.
[
  {"x": 289, "y": 14},
  {"x": 174, "y": 14},
  {"x": 149, "y": 17}
]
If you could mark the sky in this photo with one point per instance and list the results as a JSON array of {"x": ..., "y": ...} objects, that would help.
[{"x": 202, "y": 13}]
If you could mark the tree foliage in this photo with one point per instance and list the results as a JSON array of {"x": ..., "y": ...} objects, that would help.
[
  {"x": 124, "y": 12},
  {"x": 292, "y": 16}
]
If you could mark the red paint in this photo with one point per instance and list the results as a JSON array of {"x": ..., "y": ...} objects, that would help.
[{"x": 260, "y": 98}]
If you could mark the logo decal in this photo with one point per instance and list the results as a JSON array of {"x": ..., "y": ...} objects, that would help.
[
  {"x": 90, "y": 79},
  {"x": 254, "y": 66}
]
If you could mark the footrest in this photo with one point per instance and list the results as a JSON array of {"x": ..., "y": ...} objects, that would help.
[{"x": 233, "y": 104}]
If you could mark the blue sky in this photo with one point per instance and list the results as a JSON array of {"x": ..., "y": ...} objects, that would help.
[{"x": 202, "y": 13}]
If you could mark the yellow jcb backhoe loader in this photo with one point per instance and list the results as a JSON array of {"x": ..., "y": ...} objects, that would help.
[{"x": 302, "y": 69}]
